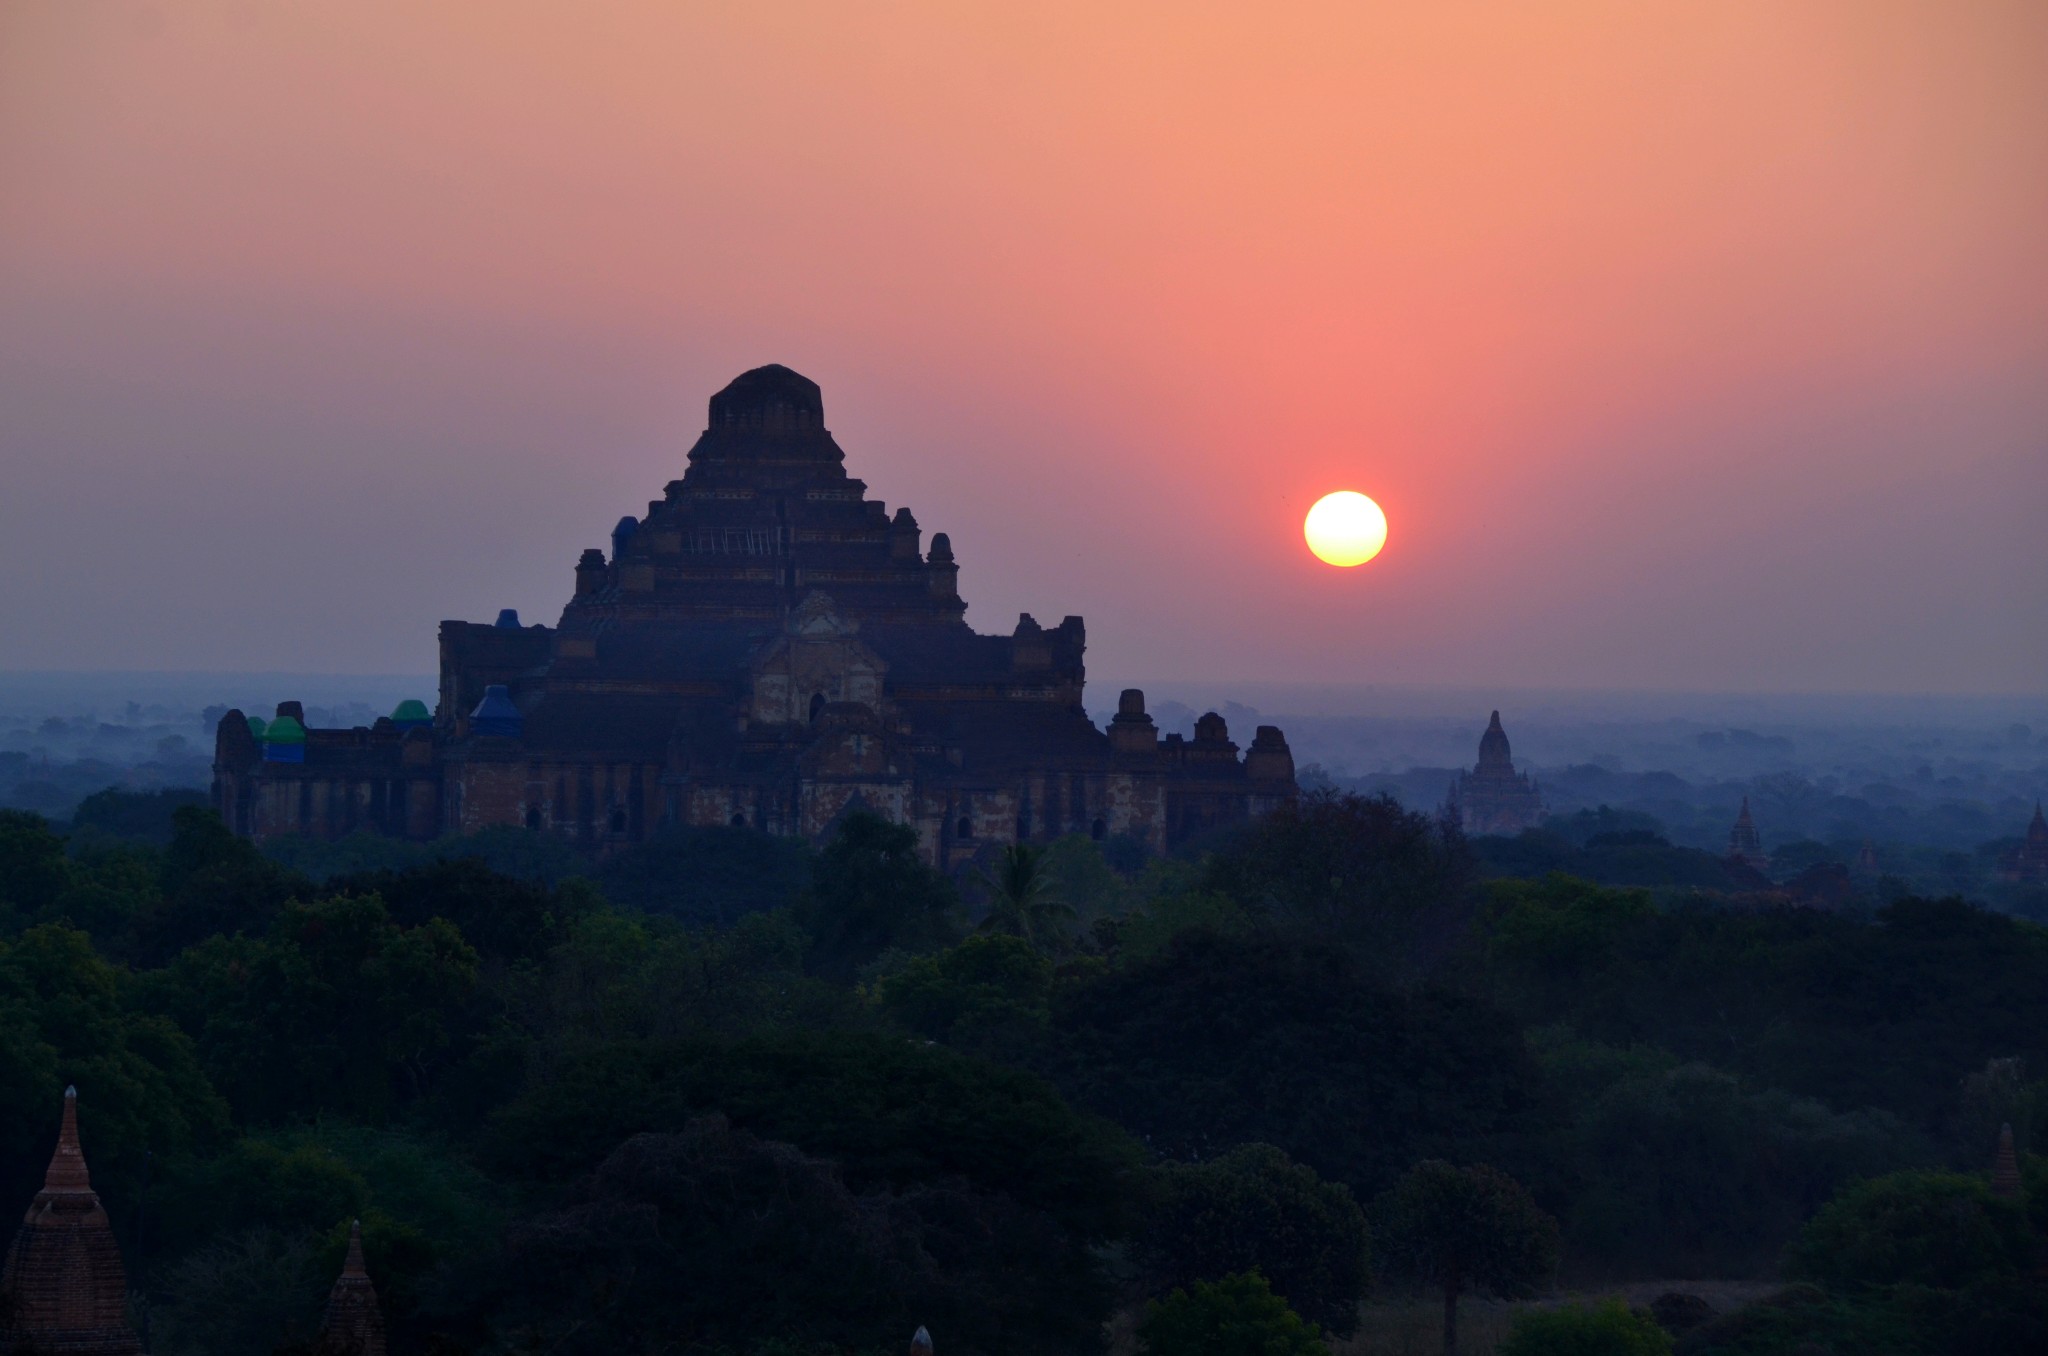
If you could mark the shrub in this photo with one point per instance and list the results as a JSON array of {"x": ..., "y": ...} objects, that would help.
[
  {"x": 1925, "y": 1228},
  {"x": 1236, "y": 1316},
  {"x": 1257, "y": 1209},
  {"x": 1609, "y": 1329}
]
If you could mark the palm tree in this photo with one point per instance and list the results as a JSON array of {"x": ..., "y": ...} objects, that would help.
[{"x": 1021, "y": 898}]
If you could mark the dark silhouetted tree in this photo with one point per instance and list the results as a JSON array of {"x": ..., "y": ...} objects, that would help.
[
  {"x": 1256, "y": 1209},
  {"x": 1469, "y": 1228},
  {"x": 872, "y": 892}
]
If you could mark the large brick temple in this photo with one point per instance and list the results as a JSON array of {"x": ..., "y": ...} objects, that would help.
[{"x": 766, "y": 647}]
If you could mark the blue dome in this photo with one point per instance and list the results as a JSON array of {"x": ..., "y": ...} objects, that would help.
[
  {"x": 496, "y": 715},
  {"x": 508, "y": 619},
  {"x": 622, "y": 534}
]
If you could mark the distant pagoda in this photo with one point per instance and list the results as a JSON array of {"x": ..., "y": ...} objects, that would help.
[
  {"x": 64, "y": 1291},
  {"x": 1493, "y": 797},
  {"x": 2005, "y": 1167},
  {"x": 2030, "y": 863},
  {"x": 1745, "y": 844},
  {"x": 354, "y": 1325}
]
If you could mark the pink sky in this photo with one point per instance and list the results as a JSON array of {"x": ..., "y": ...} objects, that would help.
[{"x": 1686, "y": 346}]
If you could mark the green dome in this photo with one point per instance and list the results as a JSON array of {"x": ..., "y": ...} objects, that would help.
[
  {"x": 284, "y": 730},
  {"x": 412, "y": 708},
  {"x": 256, "y": 724}
]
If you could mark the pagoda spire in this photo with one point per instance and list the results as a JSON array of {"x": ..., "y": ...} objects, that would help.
[
  {"x": 1745, "y": 844},
  {"x": 2030, "y": 861},
  {"x": 2005, "y": 1169},
  {"x": 354, "y": 1324},
  {"x": 67, "y": 1170},
  {"x": 352, "y": 1264},
  {"x": 64, "y": 1288},
  {"x": 1493, "y": 797}
]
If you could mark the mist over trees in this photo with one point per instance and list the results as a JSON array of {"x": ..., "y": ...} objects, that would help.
[{"x": 1872, "y": 797}]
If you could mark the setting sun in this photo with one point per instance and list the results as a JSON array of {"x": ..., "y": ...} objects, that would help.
[{"x": 1345, "y": 528}]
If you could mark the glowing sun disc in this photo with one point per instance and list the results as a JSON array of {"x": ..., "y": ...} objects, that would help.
[{"x": 1345, "y": 528}]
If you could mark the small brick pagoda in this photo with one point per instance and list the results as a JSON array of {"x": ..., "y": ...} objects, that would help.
[
  {"x": 353, "y": 1324},
  {"x": 64, "y": 1291}
]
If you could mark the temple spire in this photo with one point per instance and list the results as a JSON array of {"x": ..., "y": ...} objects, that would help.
[
  {"x": 67, "y": 1171},
  {"x": 1493, "y": 797},
  {"x": 354, "y": 1324},
  {"x": 63, "y": 1288},
  {"x": 921, "y": 1342},
  {"x": 1745, "y": 844},
  {"x": 2005, "y": 1169}
]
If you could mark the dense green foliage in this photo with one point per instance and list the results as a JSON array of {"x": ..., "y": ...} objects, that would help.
[
  {"x": 707, "y": 876},
  {"x": 65, "y": 1018},
  {"x": 1942, "y": 1230},
  {"x": 991, "y": 990},
  {"x": 1220, "y": 1041},
  {"x": 149, "y": 816},
  {"x": 1886, "y": 1013},
  {"x": 1355, "y": 872},
  {"x": 711, "y": 1232},
  {"x": 872, "y": 893},
  {"x": 889, "y": 1111},
  {"x": 1665, "y": 1168},
  {"x": 1235, "y": 1316},
  {"x": 1255, "y": 1209},
  {"x": 336, "y": 1009},
  {"x": 722, "y": 1092},
  {"x": 1609, "y": 1329}
]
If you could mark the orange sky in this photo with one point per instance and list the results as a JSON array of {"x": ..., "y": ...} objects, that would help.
[{"x": 1687, "y": 346}]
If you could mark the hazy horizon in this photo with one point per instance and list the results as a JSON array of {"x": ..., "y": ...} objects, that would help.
[
  {"x": 1697, "y": 350},
  {"x": 1308, "y": 695},
  {"x": 1930, "y": 773}
]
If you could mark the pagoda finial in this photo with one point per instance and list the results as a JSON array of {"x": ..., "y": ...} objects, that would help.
[
  {"x": 352, "y": 1265},
  {"x": 67, "y": 1170},
  {"x": 2005, "y": 1169},
  {"x": 921, "y": 1342}
]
